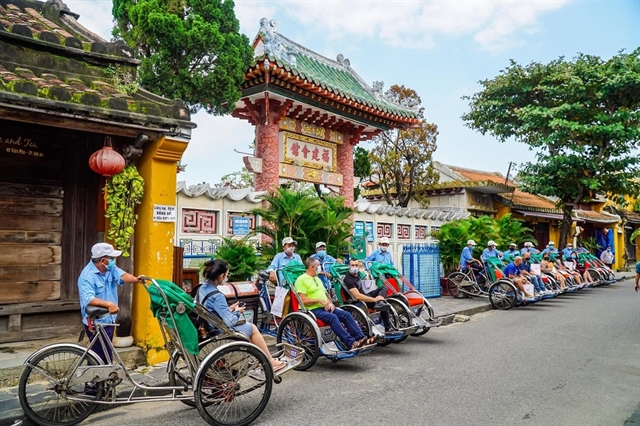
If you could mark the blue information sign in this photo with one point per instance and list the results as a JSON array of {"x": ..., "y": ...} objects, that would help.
[
  {"x": 241, "y": 225},
  {"x": 358, "y": 228},
  {"x": 369, "y": 231}
]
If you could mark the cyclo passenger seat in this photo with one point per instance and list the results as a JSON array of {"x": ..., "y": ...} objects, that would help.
[{"x": 295, "y": 307}]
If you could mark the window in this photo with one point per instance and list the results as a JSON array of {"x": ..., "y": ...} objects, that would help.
[
  {"x": 199, "y": 221},
  {"x": 403, "y": 232},
  {"x": 384, "y": 230}
]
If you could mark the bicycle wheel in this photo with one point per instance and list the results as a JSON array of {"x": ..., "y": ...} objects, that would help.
[
  {"x": 454, "y": 284},
  {"x": 503, "y": 295},
  {"x": 234, "y": 385},
  {"x": 427, "y": 314},
  {"x": 298, "y": 330},
  {"x": 401, "y": 319},
  {"x": 360, "y": 319},
  {"x": 51, "y": 370}
]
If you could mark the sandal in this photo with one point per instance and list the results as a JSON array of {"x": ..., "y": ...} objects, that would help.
[
  {"x": 357, "y": 344},
  {"x": 279, "y": 366},
  {"x": 371, "y": 340}
]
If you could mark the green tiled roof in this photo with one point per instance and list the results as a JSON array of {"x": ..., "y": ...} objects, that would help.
[{"x": 335, "y": 76}]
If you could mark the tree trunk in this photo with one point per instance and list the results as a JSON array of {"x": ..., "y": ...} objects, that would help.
[{"x": 565, "y": 226}]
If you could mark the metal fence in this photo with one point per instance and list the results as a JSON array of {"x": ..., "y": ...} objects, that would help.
[{"x": 421, "y": 266}]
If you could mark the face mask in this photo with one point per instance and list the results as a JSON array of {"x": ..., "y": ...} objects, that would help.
[
  {"x": 383, "y": 249},
  {"x": 322, "y": 253},
  {"x": 111, "y": 264},
  {"x": 224, "y": 281},
  {"x": 354, "y": 271},
  {"x": 289, "y": 251}
]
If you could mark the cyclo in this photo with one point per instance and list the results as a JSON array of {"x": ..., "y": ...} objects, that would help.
[
  {"x": 503, "y": 293},
  {"x": 468, "y": 283},
  {"x": 227, "y": 378},
  {"x": 370, "y": 324},
  {"x": 301, "y": 328},
  {"x": 413, "y": 309}
]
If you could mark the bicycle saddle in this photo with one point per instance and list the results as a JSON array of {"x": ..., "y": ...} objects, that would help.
[
  {"x": 96, "y": 311},
  {"x": 263, "y": 275}
]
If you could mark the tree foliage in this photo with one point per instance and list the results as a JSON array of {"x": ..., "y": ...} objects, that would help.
[
  {"x": 306, "y": 218},
  {"x": 581, "y": 117},
  {"x": 361, "y": 167},
  {"x": 189, "y": 49},
  {"x": 401, "y": 160},
  {"x": 237, "y": 180},
  {"x": 453, "y": 236}
]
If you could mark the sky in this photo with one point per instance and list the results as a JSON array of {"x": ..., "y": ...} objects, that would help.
[{"x": 440, "y": 48}]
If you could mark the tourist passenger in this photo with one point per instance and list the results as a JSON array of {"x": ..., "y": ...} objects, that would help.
[
  {"x": 323, "y": 257},
  {"x": 98, "y": 286},
  {"x": 373, "y": 299},
  {"x": 573, "y": 260},
  {"x": 547, "y": 267},
  {"x": 314, "y": 297},
  {"x": 608, "y": 258},
  {"x": 491, "y": 251},
  {"x": 567, "y": 271},
  {"x": 215, "y": 301},
  {"x": 535, "y": 279},
  {"x": 529, "y": 248},
  {"x": 581, "y": 249},
  {"x": 281, "y": 259},
  {"x": 514, "y": 273},
  {"x": 381, "y": 255}
]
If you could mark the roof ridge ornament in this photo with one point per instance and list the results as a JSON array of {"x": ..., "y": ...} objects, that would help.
[
  {"x": 273, "y": 45},
  {"x": 343, "y": 61}
]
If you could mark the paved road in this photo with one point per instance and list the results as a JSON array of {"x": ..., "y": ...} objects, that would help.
[{"x": 573, "y": 360}]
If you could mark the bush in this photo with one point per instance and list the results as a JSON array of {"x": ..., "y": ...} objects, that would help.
[{"x": 241, "y": 257}]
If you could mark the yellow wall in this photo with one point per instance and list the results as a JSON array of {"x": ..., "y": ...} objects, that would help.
[
  {"x": 501, "y": 209},
  {"x": 153, "y": 243}
]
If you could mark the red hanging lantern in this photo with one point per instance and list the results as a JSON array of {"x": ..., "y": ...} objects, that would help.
[{"x": 106, "y": 162}]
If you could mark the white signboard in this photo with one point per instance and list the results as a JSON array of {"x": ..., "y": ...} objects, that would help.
[{"x": 164, "y": 213}]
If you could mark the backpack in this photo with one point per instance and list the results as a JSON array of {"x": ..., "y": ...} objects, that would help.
[{"x": 201, "y": 324}]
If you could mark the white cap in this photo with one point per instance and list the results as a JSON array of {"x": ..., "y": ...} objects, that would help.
[
  {"x": 512, "y": 245},
  {"x": 491, "y": 243},
  {"x": 569, "y": 245},
  {"x": 528, "y": 244},
  {"x": 104, "y": 249},
  {"x": 384, "y": 240},
  {"x": 551, "y": 243},
  {"x": 473, "y": 243},
  {"x": 320, "y": 244},
  {"x": 287, "y": 240}
]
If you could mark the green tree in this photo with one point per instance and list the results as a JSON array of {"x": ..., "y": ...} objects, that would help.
[
  {"x": 401, "y": 160},
  {"x": 581, "y": 117},
  {"x": 361, "y": 167},
  {"x": 237, "y": 180},
  {"x": 190, "y": 49},
  {"x": 306, "y": 218}
]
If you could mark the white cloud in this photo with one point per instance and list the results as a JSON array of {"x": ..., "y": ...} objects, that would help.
[
  {"x": 493, "y": 25},
  {"x": 95, "y": 15}
]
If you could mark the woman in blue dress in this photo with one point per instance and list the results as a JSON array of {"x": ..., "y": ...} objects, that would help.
[{"x": 217, "y": 274}]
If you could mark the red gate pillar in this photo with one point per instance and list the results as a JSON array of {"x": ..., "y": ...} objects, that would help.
[
  {"x": 267, "y": 141},
  {"x": 345, "y": 167}
]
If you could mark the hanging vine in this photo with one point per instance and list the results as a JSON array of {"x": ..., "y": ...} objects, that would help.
[{"x": 124, "y": 192}]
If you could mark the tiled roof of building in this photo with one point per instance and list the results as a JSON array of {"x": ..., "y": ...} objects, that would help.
[
  {"x": 48, "y": 61},
  {"x": 597, "y": 217},
  {"x": 479, "y": 175},
  {"x": 520, "y": 199},
  {"x": 216, "y": 193},
  {"x": 336, "y": 76}
]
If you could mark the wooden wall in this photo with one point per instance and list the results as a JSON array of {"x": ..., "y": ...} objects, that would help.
[{"x": 48, "y": 219}]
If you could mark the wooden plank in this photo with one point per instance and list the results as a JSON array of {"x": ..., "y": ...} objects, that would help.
[
  {"x": 30, "y": 237},
  {"x": 24, "y": 292},
  {"x": 31, "y": 206},
  {"x": 39, "y": 333},
  {"x": 13, "y": 254},
  {"x": 31, "y": 223},
  {"x": 29, "y": 273},
  {"x": 30, "y": 190},
  {"x": 44, "y": 307},
  {"x": 15, "y": 323}
]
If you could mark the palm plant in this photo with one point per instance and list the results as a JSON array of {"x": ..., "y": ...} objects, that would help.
[
  {"x": 307, "y": 219},
  {"x": 241, "y": 257},
  {"x": 510, "y": 230}
]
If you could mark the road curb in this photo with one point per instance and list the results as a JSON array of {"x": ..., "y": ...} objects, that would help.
[{"x": 475, "y": 310}]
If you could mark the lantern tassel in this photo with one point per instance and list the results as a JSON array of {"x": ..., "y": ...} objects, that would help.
[{"x": 105, "y": 194}]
